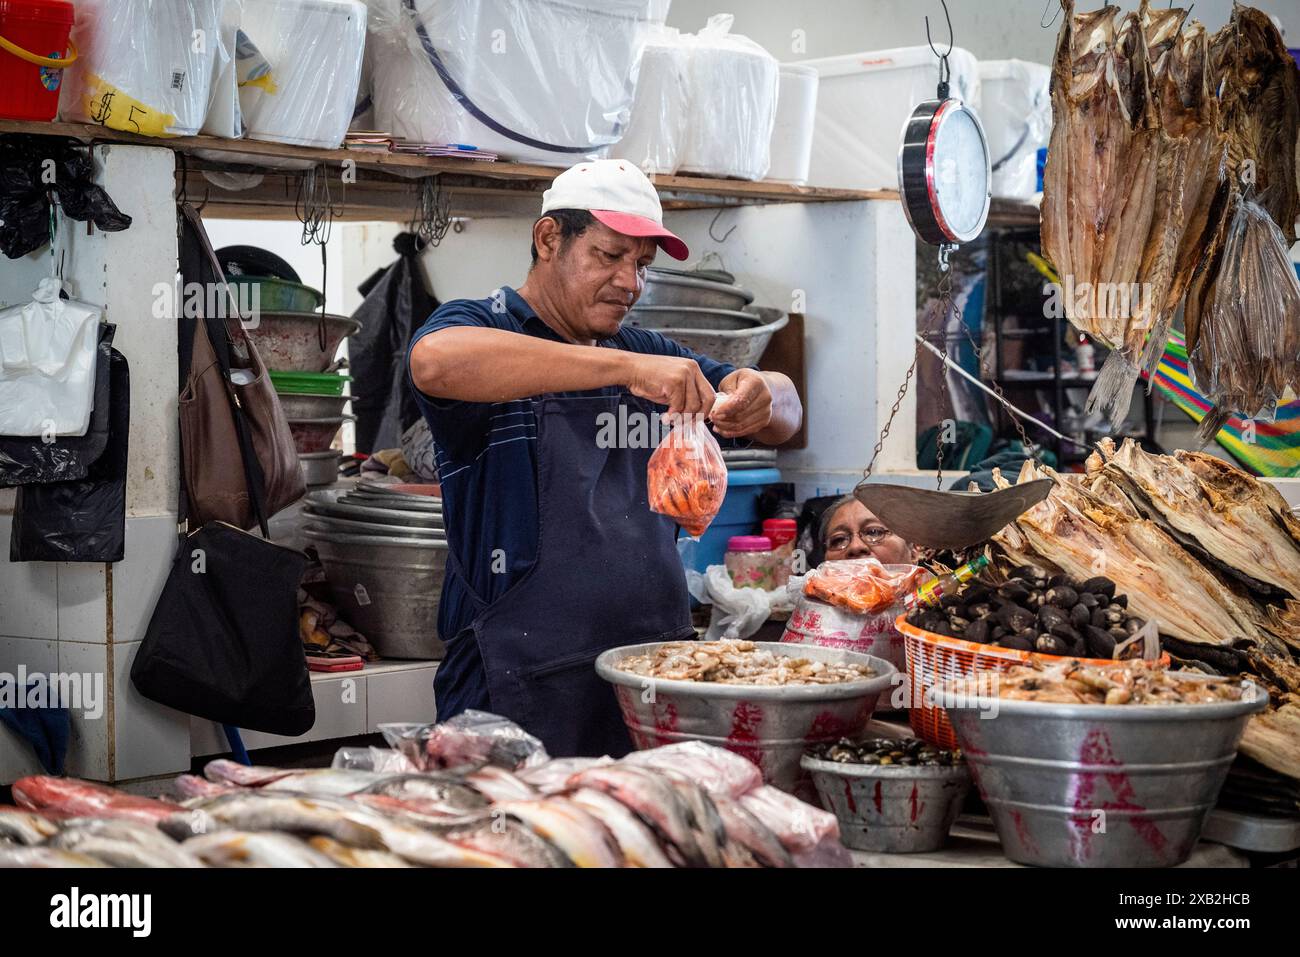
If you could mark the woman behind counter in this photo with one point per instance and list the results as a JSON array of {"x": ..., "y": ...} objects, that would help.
[{"x": 850, "y": 530}]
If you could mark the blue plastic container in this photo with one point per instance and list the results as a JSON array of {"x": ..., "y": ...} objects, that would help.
[{"x": 738, "y": 515}]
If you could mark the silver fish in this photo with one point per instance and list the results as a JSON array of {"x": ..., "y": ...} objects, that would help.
[
  {"x": 505, "y": 837},
  {"x": 570, "y": 828},
  {"x": 750, "y": 833},
  {"x": 345, "y": 856},
  {"x": 710, "y": 834},
  {"x": 121, "y": 843},
  {"x": 24, "y": 827},
  {"x": 639, "y": 844},
  {"x": 268, "y": 811},
  {"x": 443, "y": 793},
  {"x": 653, "y": 800},
  {"x": 325, "y": 781},
  {"x": 498, "y": 784},
  {"x": 255, "y": 849},
  {"x": 41, "y": 856}
]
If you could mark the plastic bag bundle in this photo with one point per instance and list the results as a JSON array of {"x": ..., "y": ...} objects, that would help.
[
  {"x": 47, "y": 364},
  {"x": 734, "y": 85},
  {"x": 687, "y": 476},
  {"x": 146, "y": 65},
  {"x": 715, "y": 769},
  {"x": 1244, "y": 343},
  {"x": 862, "y": 585},
  {"x": 470, "y": 738}
]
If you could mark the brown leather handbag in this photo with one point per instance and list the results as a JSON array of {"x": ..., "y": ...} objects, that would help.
[{"x": 211, "y": 347}]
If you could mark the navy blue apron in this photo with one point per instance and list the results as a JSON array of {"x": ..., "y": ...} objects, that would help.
[{"x": 607, "y": 574}]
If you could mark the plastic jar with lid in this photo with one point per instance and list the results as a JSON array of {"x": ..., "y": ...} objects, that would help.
[
  {"x": 751, "y": 562},
  {"x": 782, "y": 532}
]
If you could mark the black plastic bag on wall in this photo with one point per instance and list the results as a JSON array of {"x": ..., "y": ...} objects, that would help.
[
  {"x": 82, "y": 520},
  {"x": 33, "y": 167}
]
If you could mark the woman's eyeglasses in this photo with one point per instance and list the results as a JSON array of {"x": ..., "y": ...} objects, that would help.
[{"x": 869, "y": 536}]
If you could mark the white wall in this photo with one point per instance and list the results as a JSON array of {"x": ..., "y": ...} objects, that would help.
[{"x": 991, "y": 29}]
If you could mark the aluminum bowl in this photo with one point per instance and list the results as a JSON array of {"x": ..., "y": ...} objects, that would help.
[
  {"x": 891, "y": 810},
  {"x": 739, "y": 338},
  {"x": 350, "y": 527},
  {"x": 1099, "y": 785},
  {"x": 315, "y": 435},
  {"x": 386, "y": 588},
  {"x": 677, "y": 289},
  {"x": 290, "y": 341},
  {"x": 320, "y": 468},
  {"x": 326, "y": 503},
  {"x": 771, "y": 726},
  {"x": 303, "y": 405}
]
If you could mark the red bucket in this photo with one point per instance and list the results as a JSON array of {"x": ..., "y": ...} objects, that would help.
[{"x": 34, "y": 49}]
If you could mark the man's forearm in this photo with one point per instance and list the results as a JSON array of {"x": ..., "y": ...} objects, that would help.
[{"x": 492, "y": 365}]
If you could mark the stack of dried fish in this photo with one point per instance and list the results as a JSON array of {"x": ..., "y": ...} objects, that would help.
[
  {"x": 691, "y": 806},
  {"x": 1208, "y": 552},
  {"x": 1156, "y": 125}
]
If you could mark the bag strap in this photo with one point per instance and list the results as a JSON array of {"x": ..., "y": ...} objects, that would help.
[{"x": 199, "y": 263}]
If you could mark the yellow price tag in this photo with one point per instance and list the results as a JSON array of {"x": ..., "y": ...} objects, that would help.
[{"x": 108, "y": 106}]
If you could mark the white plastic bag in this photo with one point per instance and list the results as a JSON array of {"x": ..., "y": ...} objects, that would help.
[
  {"x": 734, "y": 85},
  {"x": 1016, "y": 110},
  {"x": 224, "y": 117},
  {"x": 47, "y": 364},
  {"x": 737, "y": 612}
]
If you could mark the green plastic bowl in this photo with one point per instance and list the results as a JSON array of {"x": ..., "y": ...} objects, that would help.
[
  {"x": 274, "y": 295},
  {"x": 309, "y": 383}
]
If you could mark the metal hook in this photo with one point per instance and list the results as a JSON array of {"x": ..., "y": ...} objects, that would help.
[
  {"x": 1048, "y": 24},
  {"x": 207, "y": 194},
  {"x": 941, "y": 56},
  {"x": 724, "y": 236}
]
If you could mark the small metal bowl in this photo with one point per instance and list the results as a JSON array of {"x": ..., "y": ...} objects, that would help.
[{"x": 891, "y": 809}]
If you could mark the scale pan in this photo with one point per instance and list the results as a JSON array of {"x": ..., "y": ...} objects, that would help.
[{"x": 950, "y": 520}]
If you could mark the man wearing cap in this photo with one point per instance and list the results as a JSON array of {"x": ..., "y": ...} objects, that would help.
[{"x": 554, "y": 553}]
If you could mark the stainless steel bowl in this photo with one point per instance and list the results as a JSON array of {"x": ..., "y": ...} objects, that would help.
[
  {"x": 772, "y": 726},
  {"x": 350, "y": 527},
  {"x": 315, "y": 435},
  {"x": 320, "y": 468},
  {"x": 1099, "y": 785},
  {"x": 291, "y": 341},
  {"x": 677, "y": 289},
  {"x": 313, "y": 406},
  {"x": 405, "y": 503},
  {"x": 386, "y": 588},
  {"x": 325, "y": 502},
  {"x": 891, "y": 810},
  {"x": 739, "y": 338}
]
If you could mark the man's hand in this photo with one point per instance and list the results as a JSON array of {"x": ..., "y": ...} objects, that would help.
[
  {"x": 747, "y": 404},
  {"x": 668, "y": 380}
]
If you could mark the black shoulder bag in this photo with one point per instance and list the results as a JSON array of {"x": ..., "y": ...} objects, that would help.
[{"x": 223, "y": 642}]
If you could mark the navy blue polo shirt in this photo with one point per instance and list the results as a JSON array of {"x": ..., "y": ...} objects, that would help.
[{"x": 487, "y": 464}]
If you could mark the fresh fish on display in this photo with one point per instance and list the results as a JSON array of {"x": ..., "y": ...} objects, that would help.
[
  {"x": 345, "y": 856},
  {"x": 746, "y": 830},
  {"x": 715, "y": 769},
  {"x": 256, "y": 849},
  {"x": 432, "y": 793},
  {"x": 226, "y": 771},
  {"x": 710, "y": 833},
  {"x": 190, "y": 786},
  {"x": 498, "y": 784},
  {"x": 325, "y": 782},
  {"x": 70, "y": 797},
  {"x": 582, "y": 838},
  {"x": 122, "y": 843},
  {"x": 470, "y": 739},
  {"x": 640, "y": 846},
  {"x": 505, "y": 837},
  {"x": 553, "y": 776},
  {"x": 41, "y": 856},
  {"x": 653, "y": 800},
  {"x": 262, "y": 811},
  {"x": 24, "y": 827}
]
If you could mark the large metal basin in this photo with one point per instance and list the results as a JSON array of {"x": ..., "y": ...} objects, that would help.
[
  {"x": 771, "y": 726},
  {"x": 328, "y": 502},
  {"x": 891, "y": 810},
  {"x": 386, "y": 588},
  {"x": 739, "y": 338},
  {"x": 291, "y": 341},
  {"x": 677, "y": 289},
  {"x": 1099, "y": 785}
]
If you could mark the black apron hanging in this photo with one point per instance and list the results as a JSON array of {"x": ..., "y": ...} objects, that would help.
[{"x": 607, "y": 574}]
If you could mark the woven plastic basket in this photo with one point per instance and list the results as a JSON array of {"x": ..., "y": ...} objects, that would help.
[{"x": 934, "y": 659}]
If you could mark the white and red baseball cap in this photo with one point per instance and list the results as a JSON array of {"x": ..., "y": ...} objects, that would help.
[{"x": 617, "y": 194}]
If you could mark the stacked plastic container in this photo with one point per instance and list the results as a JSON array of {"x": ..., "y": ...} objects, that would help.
[
  {"x": 546, "y": 81},
  {"x": 146, "y": 65},
  {"x": 660, "y": 117},
  {"x": 864, "y": 99},
  {"x": 792, "y": 133}
]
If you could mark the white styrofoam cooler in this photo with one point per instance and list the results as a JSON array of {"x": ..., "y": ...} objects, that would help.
[
  {"x": 315, "y": 49},
  {"x": 1015, "y": 107},
  {"x": 141, "y": 68},
  {"x": 547, "y": 81},
  {"x": 656, "y": 131},
  {"x": 863, "y": 102},
  {"x": 792, "y": 134}
]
